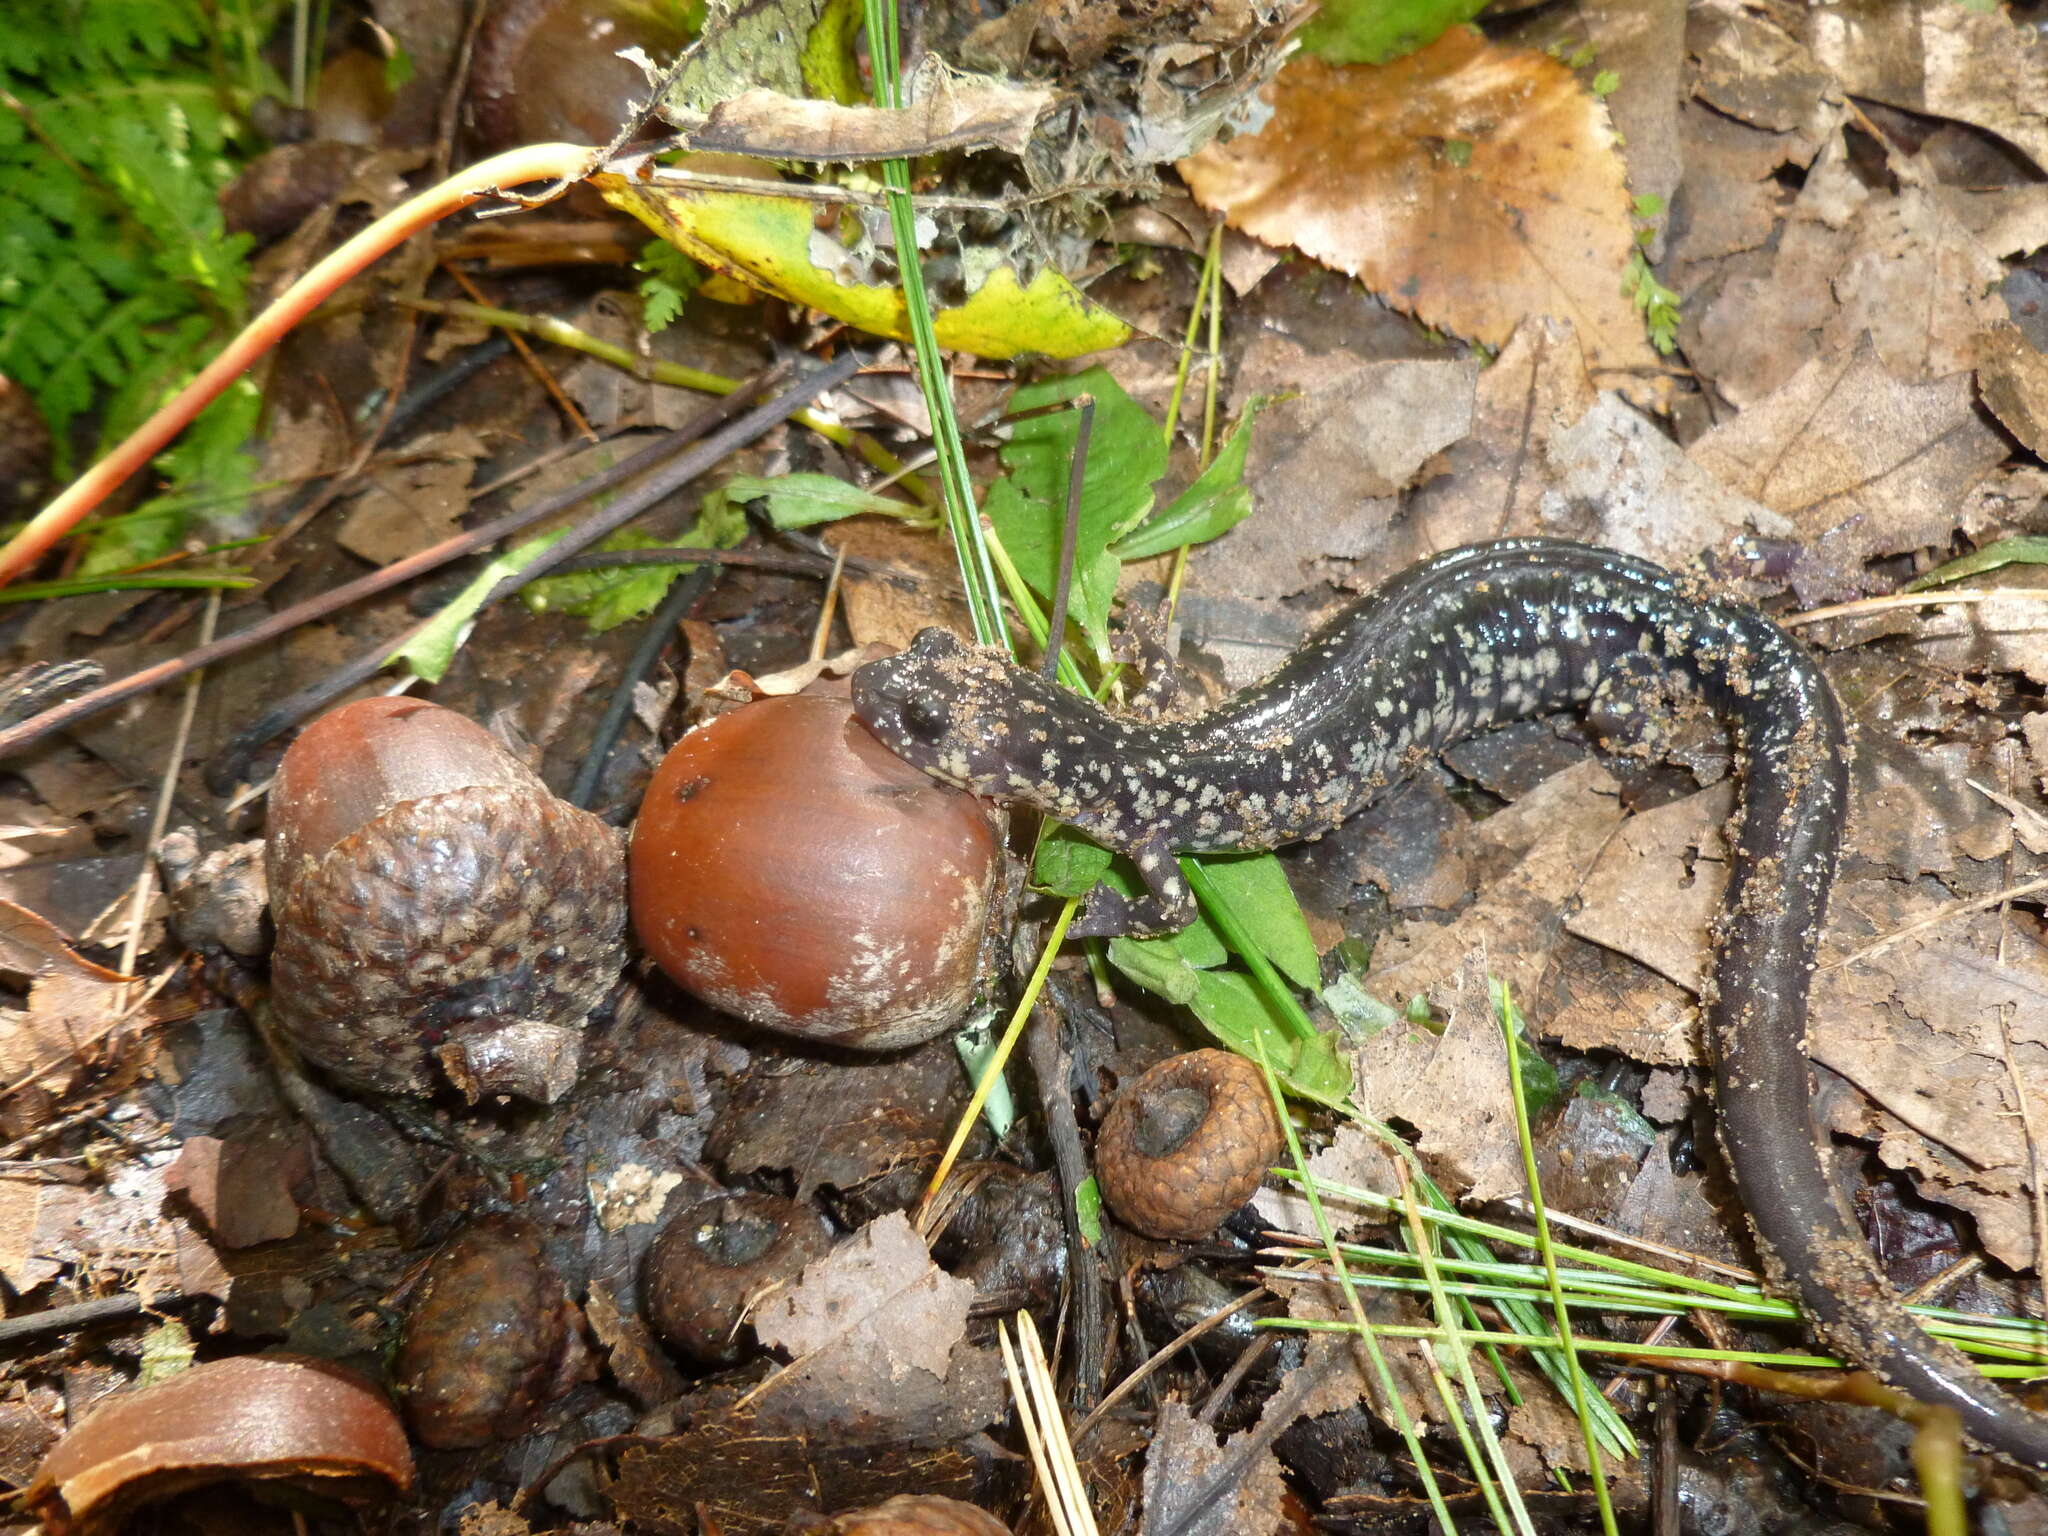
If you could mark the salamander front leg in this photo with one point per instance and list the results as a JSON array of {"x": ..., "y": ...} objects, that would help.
[{"x": 1167, "y": 906}]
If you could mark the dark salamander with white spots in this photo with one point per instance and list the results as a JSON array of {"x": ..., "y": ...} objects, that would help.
[{"x": 1471, "y": 639}]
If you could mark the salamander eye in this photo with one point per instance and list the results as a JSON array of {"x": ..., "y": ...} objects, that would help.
[{"x": 924, "y": 719}]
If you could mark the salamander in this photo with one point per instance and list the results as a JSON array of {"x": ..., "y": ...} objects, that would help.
[{"x": 1469, "y": 639}]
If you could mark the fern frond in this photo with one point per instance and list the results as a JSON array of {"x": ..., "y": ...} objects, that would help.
[{"x": 117, "y": 273}]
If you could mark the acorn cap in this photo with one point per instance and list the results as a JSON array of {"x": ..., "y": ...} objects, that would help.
[{"x": 1186, "y": 1143}]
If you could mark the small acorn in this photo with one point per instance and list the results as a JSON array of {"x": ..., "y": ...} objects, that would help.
[
  {"x": 716, "y": 1259},
  {"x": 907, "y": 1514},
  {"x": 548, "y": 70},
  {"x": 1186, "y": 1143},
  {"x": 436, "y": 906},
  {"x": 490, "y": 1339},
  {"x": 789, "y": 869}
]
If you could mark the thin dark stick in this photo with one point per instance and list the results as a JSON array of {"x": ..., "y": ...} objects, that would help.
[
  {"x": 1053, "y": 1068},
  {"x": 690, "y": 465},
  {"x": 665, "y": 482},
  {"x": 80, "y": 1314},
  {"x": 1233, "y": 1378},
  {"x": 682, "y": 554},
  {"x": 1282, "y": 1411},
  {"x": 1056, "y": 631},
  {"x": 230, "y": 765},
  {"x": 682, "y": 596}
]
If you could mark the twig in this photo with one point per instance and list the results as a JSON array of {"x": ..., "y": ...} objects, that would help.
[
  {"x": 1053, "y": 1067},
  {"x": 1166, "y": 1352},
  {"x": 698, "y": 459},
  {"x": 533, "y": 163},
  {"x": 683, "y": 595},
  {"x": 145, "y": 883},
  {"x": 80, "y": 1314}
]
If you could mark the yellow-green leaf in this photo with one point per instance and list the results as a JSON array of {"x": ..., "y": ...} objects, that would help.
[{"x": 766, "y": 242}]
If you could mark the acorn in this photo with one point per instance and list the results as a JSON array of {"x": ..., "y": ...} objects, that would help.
[
  {"x": 1186, "y": 1143},
  {"x": 490, "y": 1338},
  {"x": 910, "y": 1514},
  {"x": 789, "y": 869},
  {"x": 436, "y": 906},
  {"x": 549, "y": 70},
  {"x": 716, "y": 1259}
]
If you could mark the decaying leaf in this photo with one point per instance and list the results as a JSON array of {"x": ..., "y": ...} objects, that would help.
[
  {"x": 771, "y": 243},
  {"x": 1183, "y": 1492},
  {"x": 948, "y": 113},
  {"x": 879, "y": 1335},
  {"x": 1468, "y": 184},
  {"x": 2012, "y": 376},
  {"x": 255, "y": 1418}
]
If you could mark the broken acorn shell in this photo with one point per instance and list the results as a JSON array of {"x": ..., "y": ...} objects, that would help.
[
  {"x": 789, "y": 869},
  {"x": 252, "y": 1418},
  {"x": 1186, "y": 1143},
  {"x": 435, "y": 905},
  {"x": 490, "y": 1338},
  {"x": 716, "y": 1259}
]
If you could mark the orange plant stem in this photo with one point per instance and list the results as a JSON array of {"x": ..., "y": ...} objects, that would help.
[{"x": 535, "y": 162}]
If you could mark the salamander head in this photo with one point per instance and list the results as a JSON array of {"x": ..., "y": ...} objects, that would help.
[{"x": 963, "y": 714}]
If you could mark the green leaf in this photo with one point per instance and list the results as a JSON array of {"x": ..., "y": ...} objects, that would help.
[
  {"x": 166, "y": 1350},
  {"x": 1088, "y": 1210},
  {"x": 798, "y": 501},
  {"x": 671, "y": 278},
  {"x": 208, "y": 470},
  {"x": 2023, "y": 549},
  {"x": 1379, "y": 31},
  {"x": 1256, "y": 888},
  {"x": 609, "y": 598},
  {"x": 430, "y": 651},
  {"x": 1067, "y": 864},
  {"x": 1157, "y": 966},
  {"x": 1234, "y": 1009},
  {"x": 1358, "y": 1013},
  {"x": 1126, "y": 455},
  {"x": 1217, "y": 502}
]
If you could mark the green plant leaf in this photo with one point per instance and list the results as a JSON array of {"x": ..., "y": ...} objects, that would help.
[
  {"x": 430, "y": 651},
  {"x": 1377, "y": 31},
  {"x": 1088, "y": 1210},
  {"x": 609, "y": 598},
  {"x": 2022, "y": 549},
  {"x": 798, "y": 501},
  {"x": 1067, "y": 864},
  {"x": 1126, "y": 455},
  {"x": 1217, "y": 502},
  {"x": 1256, "y": 887},
  {"x": 1234, "y": 1009},
  {"x": 770, "y": 244}
]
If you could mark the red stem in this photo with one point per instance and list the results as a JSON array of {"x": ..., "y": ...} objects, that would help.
[{"x": 535, "y": 162}]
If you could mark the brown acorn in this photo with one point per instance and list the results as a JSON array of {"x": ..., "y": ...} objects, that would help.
[
  {"x": 912, "y": 1514},
  {"x": 436, "y": 906},
  {"x": 715, "y": 1259},
  {"x": 789, "y": 869},
  {"x": 1186, "y": 1143},
  {"x": 490, "y": 1339}
]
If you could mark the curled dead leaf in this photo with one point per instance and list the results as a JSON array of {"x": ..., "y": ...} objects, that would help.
[{"x": 256, "y": 1417}]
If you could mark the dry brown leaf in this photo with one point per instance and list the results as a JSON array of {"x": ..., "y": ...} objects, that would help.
[
  {"x": 1468, "y": 184},
  {"x": 1658, "y": 884},
  {"x": 879, "y": 1332},
  {"x": 1553, "y": 834},
  {"x": 946, "y": 113},
  {"x": 2012, "y": 376},
  {"x": 1452, "y": 1087},
  {"x": 1182, "y": 1465},
  {"x": 1861, "y": 462},
  {"x": 33, "y": 945},
  {"x": 1945, "y": 60},
  {"x": 1353, "y": 1157}
]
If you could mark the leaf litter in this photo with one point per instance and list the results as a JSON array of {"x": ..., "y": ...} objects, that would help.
[{"x": 1844, "y": 201}]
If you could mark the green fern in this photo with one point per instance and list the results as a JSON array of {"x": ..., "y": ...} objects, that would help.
[{"x": 117, "y": 275}]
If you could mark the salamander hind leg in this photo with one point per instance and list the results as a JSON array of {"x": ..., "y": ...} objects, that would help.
[{"x": 1167, "y": 905}]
